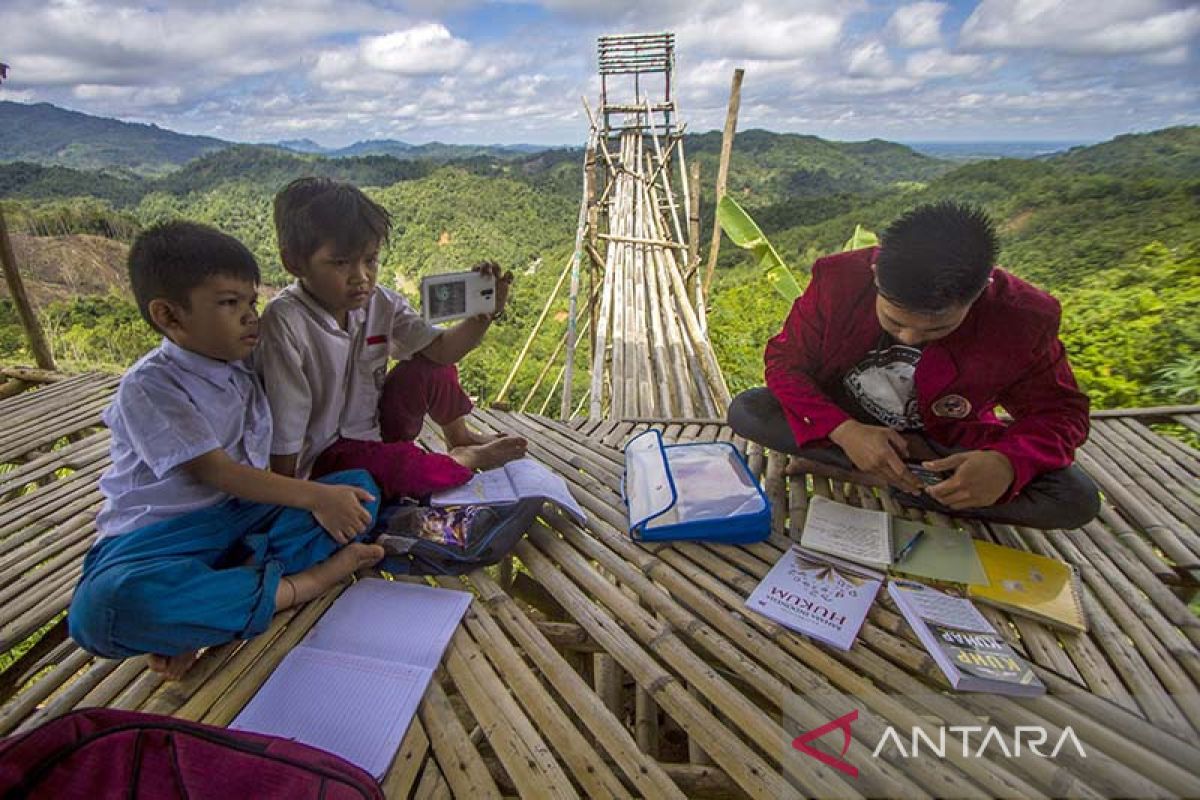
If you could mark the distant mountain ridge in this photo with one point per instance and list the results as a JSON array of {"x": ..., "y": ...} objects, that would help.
[
  {"x": 399, "y": 149},
  {"x": 41, "y": 133}
]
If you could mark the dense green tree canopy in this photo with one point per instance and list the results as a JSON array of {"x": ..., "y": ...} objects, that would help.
[{"x": 1113, "y": 231}]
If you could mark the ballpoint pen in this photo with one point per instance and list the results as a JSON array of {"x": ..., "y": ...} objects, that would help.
[{"x": 904, "y": 551}]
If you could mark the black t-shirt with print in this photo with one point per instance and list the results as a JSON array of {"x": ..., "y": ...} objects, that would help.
[{"x": 879, "y": 390}]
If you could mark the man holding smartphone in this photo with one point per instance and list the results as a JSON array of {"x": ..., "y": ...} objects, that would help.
[{"x": 894, "y": 361}]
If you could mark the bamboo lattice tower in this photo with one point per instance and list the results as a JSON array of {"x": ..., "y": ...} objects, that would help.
[
  {"x": 651, "y": 354},
  {"x": 643, "y": 308}
]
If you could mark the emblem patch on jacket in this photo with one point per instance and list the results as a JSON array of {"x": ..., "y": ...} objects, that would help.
[{"x": 954, "y": 406}]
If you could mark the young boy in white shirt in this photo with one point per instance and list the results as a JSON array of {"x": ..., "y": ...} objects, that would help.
[
  {"x": 198, "y": 542},
  {"x": 326, "y": 342}
]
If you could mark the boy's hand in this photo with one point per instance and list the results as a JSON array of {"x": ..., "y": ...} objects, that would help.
[
  {"x": 503, "y": 282},
  {"x": 979, "y": 479},
  {"x": 340, "y": 510},
  {"x": 878, "y": 451}
]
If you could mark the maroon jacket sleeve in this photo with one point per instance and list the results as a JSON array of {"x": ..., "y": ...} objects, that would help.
[
  {"x": 792, "y": 358},
  {"x": 1050, "y": 417}
]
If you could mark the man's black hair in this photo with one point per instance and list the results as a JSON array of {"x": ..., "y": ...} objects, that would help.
[
  {"x": 168, "y": 260},
  {"x": 310, "y": 212},
  {"x": 936, "y": 256}
]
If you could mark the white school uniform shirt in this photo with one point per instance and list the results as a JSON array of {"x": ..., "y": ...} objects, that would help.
[
  {"x": 324, "y": 383},
  {"x": 172, "y": 406}
]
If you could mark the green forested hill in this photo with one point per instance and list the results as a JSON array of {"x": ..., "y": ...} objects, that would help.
[
  {"x": 769, "y": 168},
  {"x": 1118, "y": 244},
  {"x": 1171, "y": 153},
  {"x": 29, "y": 181},
  {"x": 45, "y": 134}
]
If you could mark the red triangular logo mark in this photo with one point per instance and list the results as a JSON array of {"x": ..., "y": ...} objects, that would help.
[{"x": 843, "y": 723}]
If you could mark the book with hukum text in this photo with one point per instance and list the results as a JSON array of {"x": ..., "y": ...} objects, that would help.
[{"x": 816, "y": 596}]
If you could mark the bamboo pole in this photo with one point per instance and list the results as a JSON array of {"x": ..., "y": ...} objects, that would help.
[
  {"x": 662, "y": 377},
  {"x": 524, "y": 753},
  {"x": 643, "y": 240},
  {"x": 693, "y": 212},
  {"x": 16, "y": 290},
  {"x": 573, "y": 295},
  {"x": 562, "y": 341},
  {"x": 663, "y": 170},
  {"x": 27, "y": 701},
  {"x": 735, "y": 101},
  {"x": 406, "y": 767},
  {"x": 744, "y": 766},
  {"x": 646, "y": 395},
  {"x": 600, "y": 346},
  {"x": 537, "y": 326},
  {"x": 30, "y": 375},
  {"x": 645, "y": 774},
  {"x": 593, "y": 774},
  {"x": 469, "y": 776}
]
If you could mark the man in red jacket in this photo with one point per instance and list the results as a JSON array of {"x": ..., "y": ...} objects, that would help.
[{"x": 898, "y": 356}]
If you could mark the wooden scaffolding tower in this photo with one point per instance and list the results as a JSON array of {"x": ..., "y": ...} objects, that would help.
[{"x": 638, "y": 232}]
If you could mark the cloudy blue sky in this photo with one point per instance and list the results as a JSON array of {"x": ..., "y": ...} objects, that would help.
[{"x": 504, "y": 71}]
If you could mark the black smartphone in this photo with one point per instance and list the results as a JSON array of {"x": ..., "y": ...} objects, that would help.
[{"x": 927, "y": 476}]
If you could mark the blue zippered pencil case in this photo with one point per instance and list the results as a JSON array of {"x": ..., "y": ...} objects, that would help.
[{"x": 694, "y": 491}]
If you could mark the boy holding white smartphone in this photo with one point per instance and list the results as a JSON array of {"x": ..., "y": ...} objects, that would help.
[{"x": 324, "y": 347}]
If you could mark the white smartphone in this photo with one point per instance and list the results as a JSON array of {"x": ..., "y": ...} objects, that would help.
[{"x": 454, "y": 295}]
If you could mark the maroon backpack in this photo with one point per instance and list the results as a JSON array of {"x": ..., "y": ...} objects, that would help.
[{"x": 100, "y": 753}]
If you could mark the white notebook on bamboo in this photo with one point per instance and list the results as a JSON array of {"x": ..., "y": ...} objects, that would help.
[{"x": 353, "y": 685}]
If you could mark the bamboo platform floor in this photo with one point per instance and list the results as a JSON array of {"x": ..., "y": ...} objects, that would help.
[{"x": 599, "y": 668}]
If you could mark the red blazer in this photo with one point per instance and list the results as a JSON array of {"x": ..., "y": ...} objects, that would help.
[{"x": 1006, "y": 353}]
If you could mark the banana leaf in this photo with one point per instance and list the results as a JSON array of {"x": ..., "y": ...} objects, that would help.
[
  {"x": 861, "y": 238},
  {"x": 743, "y": 232}
]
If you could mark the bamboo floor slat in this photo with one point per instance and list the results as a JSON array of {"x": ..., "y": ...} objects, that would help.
[{"x": 599, "y": 667}]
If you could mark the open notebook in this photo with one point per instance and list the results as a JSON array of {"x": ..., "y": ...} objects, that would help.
[
  {"x": 876, "y": 539},
  {"x": 514, "y": 481},
  {"x": 352, "y": 686}
]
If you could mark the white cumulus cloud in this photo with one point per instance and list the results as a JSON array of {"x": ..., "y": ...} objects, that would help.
[
  {"x": 937, "y": 63},
  {"x": 1082, "y": 27},
  {"x": 917, "y": 24},
  {"x": 870, "y": 60},
  {"x": 426, "y": 49}
]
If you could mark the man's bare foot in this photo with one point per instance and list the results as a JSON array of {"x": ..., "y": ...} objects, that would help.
[
  {"x": 172, "y": 668},
  {"x": 495, "y": 453},
  {"x": 458, "y": 434},
  {"x": 304, "y": 586}
]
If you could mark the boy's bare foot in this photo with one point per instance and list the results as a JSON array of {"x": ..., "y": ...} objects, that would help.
[
  {"x": 459, "y": 434},
  {"x": 304, "y": 586},
  {"x": 172, "y": 668},
  {"x": 495, "y": 453}
]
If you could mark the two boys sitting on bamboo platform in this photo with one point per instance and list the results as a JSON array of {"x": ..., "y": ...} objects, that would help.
[
  {"x": 199, "y": 543},
  {"x": 899, "y": 355},
  {"x": 326, "y": 342}
]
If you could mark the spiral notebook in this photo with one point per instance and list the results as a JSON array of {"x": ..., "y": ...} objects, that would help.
[{"x": 1034, "y": 586}]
